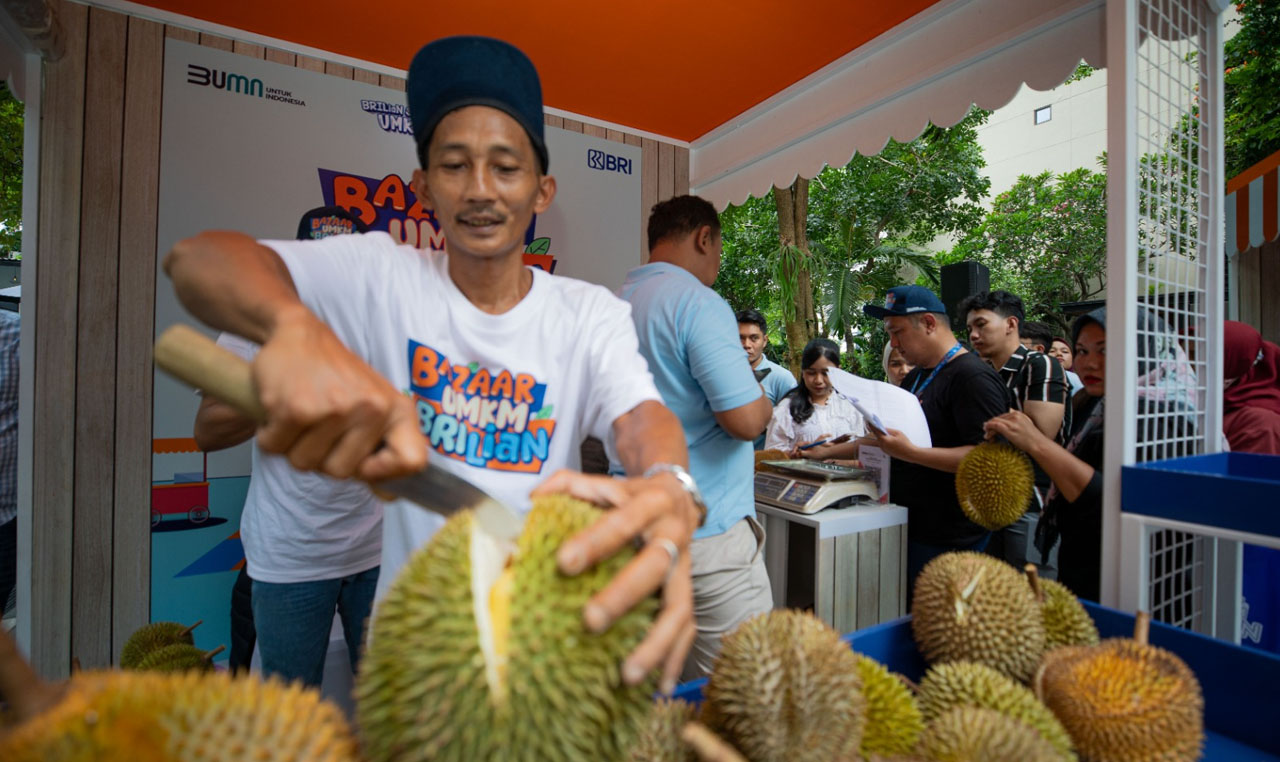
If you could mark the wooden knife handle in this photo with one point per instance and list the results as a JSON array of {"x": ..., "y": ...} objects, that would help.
[{"x": 193, "y": 358}]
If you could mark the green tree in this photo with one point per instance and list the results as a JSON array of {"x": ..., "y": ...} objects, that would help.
[
  {"x": 1251, "y": 83},
  {"x": 10, "y": 171},
  {"x": 1044, "y": 239},
  {"x": 852, "y": 232}
]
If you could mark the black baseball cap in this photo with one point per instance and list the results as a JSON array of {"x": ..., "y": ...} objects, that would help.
[
  {"x": 906, "y": 300},
  {"x": 454, "y": 72},
  {"x": 324, "y": 221}
]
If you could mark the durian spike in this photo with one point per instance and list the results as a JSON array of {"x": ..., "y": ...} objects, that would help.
[
  {"x": 209, "y": 656},
  {"x": 1142, "y": 627},
  {"x": 187, "y": 631},
  {"x": 709, "y": 746},
  {"x": 1033, "y": 576},
  {"x": 21, "y": 686}
]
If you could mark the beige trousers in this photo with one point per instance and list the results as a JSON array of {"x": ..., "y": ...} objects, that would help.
[{"x": 730, "y": 585}]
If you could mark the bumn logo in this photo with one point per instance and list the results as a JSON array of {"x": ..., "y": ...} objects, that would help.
[
  {"x": 231, "y": 82},
  {"x": 607, "y": 162}
]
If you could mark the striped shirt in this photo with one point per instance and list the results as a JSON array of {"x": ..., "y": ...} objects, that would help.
[
  {"x": 1036, "y": 377},
  {"x": 8, "y": 417}
]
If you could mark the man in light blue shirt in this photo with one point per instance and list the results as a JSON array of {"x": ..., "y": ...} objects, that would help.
[
  {"x": 686, "y": 335},
  {"x": 753, "y": 332}
]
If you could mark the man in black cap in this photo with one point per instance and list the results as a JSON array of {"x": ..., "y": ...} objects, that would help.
[
  {"x": 500, "y": 370},
  {"x": 959, "y": 393}
]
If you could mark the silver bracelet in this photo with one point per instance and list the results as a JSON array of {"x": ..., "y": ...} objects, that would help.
[{"x": 686, "y": 482}]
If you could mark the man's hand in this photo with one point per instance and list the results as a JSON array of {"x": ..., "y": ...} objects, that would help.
[
  {"x": 896, "y": 444},
  {"x": 652, "y": 510},
  {"x": 328, "y": 411}
]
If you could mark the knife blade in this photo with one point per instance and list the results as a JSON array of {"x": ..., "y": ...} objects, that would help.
[{"x": 193, "y": 358}]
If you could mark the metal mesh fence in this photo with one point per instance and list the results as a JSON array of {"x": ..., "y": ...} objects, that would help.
[{"x": 1172, "y": 167}]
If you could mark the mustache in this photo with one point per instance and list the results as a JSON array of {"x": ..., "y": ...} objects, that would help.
[{"x": 485, "y": 212}]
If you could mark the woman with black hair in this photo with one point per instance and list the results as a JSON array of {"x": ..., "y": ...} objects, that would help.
[{"x": 813, "y": 412}]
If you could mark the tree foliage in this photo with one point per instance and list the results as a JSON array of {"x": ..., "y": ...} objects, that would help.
[
  {"x": 1251, "y": 84},
  {"x": 1044, "y": 239},
  {"x": 11, "y": 118},
  {"x": 869, "y": 224}
]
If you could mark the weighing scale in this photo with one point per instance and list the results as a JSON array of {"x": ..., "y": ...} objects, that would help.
[{"x": 808, "y": 486}]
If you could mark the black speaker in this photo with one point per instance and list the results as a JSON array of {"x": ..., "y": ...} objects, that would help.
[{"x": 959, "y": 282}]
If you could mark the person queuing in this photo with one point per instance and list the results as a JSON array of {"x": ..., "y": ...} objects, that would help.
[
  {"x": 895, "y": 367},
  {"x": 1037, "y": 386},
  {"x": 959, "y": 393},
  {"x": 753, "y": 332},
  {"x": 313, "y": 543},
  {"x": 813, "y": 418},
  {"x": 1073, "y": 510},
  {"x": 1035, "y": 336},
  {"x": 470, "y": 322},
  {"x": 1251, "y": 401},
  {"x": 1251, "y": 423},
  {"x": 685, "y": 334},
  {"x": 1060, "y": 350}
]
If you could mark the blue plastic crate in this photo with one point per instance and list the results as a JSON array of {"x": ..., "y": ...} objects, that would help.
[
  {"x": 1236, "y": 490},
  {"x": 1241, "y": 686}
]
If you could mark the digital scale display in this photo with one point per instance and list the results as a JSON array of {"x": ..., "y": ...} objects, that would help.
[{"x": 807, "y": 486}]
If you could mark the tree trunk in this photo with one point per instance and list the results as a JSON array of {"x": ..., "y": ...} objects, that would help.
[{"x": 793, "y": 215}]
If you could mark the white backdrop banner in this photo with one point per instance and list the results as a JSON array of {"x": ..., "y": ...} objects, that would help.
[{"x": 250, "y": 145}]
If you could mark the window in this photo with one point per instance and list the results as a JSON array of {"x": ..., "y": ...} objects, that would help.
[{"x": 1044, "y": 114}]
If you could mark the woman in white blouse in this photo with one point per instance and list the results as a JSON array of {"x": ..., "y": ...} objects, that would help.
[{"x": 814, "y": 412}]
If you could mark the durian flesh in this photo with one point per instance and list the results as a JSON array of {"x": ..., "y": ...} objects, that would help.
[{"x": 480, "y": 655}]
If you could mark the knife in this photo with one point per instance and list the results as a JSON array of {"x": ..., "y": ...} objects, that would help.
[{"x": 192, "y": 357}]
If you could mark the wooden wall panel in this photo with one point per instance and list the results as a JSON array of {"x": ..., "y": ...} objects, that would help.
[
  {"x": 96, "y": 340},
  {"x": 53, "y": 422},
  {"x": 393, "y": 83},
  {"x": 178, "y": 33},
  {"x": 595, "y": 131},
  {"x": 135, "y": 326},
  {"x": 681, "y": 160},
  {"x": 1269, "y": 289},
  {"x": 342, "y": 71},
  {"x": 309, "y": 63},
  {"x": 666, "y": 171},
  {"x": 648, "y": 190},
  {"x": 1250, "y": 279},
  {"x": 280, "y": 56},
  {"x": 365, "y": 76},
  {"x": 216, "y": 41},
  {"x": 248, "y": 49}
]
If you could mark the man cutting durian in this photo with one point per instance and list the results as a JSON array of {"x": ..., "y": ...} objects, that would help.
[{"x": 504, "y": 369}]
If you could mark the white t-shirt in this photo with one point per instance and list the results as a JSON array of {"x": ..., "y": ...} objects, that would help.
[
  {"x": 304, "y": 527},
  {"x": 836, "y": 417},
  {"x": 523, "y": 388}
]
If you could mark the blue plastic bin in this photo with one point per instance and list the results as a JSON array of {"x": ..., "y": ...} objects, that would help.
[{"x": 1241, "y": 686}]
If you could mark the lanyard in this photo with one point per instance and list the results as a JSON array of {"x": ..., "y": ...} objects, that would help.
[{"x": 946, "y": 359}]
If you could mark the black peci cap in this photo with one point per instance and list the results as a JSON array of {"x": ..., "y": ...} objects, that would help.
[{"x": 454, "y": 72}]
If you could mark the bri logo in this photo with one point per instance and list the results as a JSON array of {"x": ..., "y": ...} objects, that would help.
[{"x": 607, "y": 162}]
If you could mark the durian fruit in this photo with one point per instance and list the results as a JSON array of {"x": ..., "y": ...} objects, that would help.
[
  {"x": 178, "y": 657},
  {"x": 946, "y": 686},
  {"x": 479, "y": 651},
  {"x": 994, "y": 484},
  {"x": 1124, "y": 700},
  {"x": 117, "y": 716},
  {"x": 786, "y": 687},
  {"x": 707, "y": 746},
  {"x": 974, "y": 734},
  {"x": 894, "y": 721},
  {"x": 153, "y": 637},
  {"x": 973, "y": 607},
  {"x": 1066, "y": 623},
  {"x": 660, "y": 739}
]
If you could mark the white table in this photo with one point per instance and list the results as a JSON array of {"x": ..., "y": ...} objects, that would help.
[{"x": 849, "y": 564}]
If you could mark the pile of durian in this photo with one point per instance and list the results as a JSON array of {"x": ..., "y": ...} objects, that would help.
[{"x": 478, "y": 653}]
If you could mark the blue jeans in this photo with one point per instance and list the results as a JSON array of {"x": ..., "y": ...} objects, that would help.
[
  {"x": 293, "y": 620},
  {"x": 919, "y": 554}
]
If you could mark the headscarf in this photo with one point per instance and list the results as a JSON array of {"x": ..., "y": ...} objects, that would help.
[{"x": 1254, "y": 363}]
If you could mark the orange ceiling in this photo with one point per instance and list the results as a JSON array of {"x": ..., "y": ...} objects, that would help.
[{"x": 678, "y": 69}]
